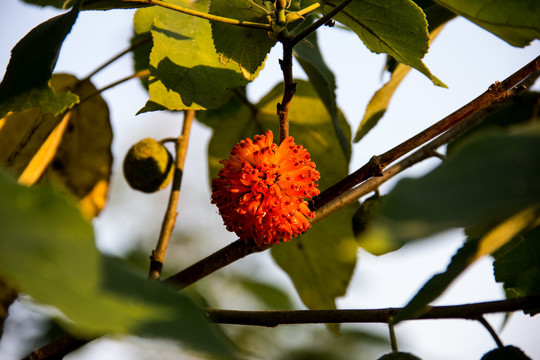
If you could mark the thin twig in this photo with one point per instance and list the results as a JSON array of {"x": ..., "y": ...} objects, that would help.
[
  {"x": 289, "y": 317},
  {"x": 138, "y": 74},
  {"x": 133, "y": 47},
  {"x": 392, "y": 334},
  {"x": 210, "y": 17},
  {"x": 490, "y": 329},
  {"x": 158, "y": 254}
]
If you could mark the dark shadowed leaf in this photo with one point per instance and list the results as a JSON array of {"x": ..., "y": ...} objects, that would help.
[
  {"x": 323, "y": 81},
  {"x": 490, "y": 242},
  {"x": 517, "y": 265},
  {"x": 486, "y": 181},
  {"x": 508, "y": 352},
  {"x": 32, "y": 61},
  {"x": 47, "y": 251},
  {"x": 516, "y": 22},
  {"x": 270, "y": 295}
]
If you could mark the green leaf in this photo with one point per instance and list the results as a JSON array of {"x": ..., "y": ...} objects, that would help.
[
  {"x": 435, "y": 286},
  {"x": 323, "y": 81},
  {"x": 245, "y": 47},
  {"x": 395, "y": 27},
  {"x": 516, "y": 22},
  {"x": 141, "y": 55},
  {"x": 47, "y": 251},
  {"x": 320, "y": 262},
  {"x": 473, "y": 249},
  {"x": 268, "y": 294},
  {"x": 507, "y": 352},
  {"x": 521, "y": 108},
  {"x": 44, "y": 98},
  {"x": 32, "y": 61},
  {"x": 517, "y": 266},
  {"x": 488, "y": 180},
  {"x": 185, "y": 71},
  {"x": 379, "y": 102},
  {"x": 55, "y": 3},
  {"x": 437, "y": 16}
]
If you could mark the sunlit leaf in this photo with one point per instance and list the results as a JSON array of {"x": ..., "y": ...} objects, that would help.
[
  {"x": 379, "y": 102},
  {"x": 25, "y": 83},
  {"x": 486, "y": 181},
  {"x": 22, "y": 135},
  {"x": 516, "y": 22},
  {"x": 396, "y": 27},
  {"x": 243, "y": 46},
  {"x": 47, "y": 250},
  {"x": 437, "y": 16},
  {"x": 185, "y": 70}
]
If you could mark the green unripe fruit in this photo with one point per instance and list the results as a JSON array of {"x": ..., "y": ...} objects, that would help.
[
  {"x": 398, "y": 355},
  {"x": 506, "y": 353},
  {"x": 148, "y": 166}
]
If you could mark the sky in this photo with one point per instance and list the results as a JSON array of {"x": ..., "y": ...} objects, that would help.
[{"x": 467, "y": 58}]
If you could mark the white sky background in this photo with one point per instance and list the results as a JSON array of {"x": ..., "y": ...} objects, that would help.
[{"x": 465, "y": 57}]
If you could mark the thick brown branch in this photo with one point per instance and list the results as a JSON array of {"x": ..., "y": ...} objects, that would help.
[
  {"x": 158, "y": 254},
  {"x": 275, "y": 318},
  {"x": 496, "y": 92},
  {"x": 225, "y": 256},
  {"x": 372, "y": 171}
]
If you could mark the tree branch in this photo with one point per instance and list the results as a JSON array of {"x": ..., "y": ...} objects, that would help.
[
  {"x": 371, "y": 171},
  {"x": 274, "y": 318},
  {"x": 158, "y": 254},
  {"x": 496, "y": 92}
]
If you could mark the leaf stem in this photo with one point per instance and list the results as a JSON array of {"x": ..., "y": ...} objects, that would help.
[
  {"x": 158, "y": 254},
  {"x": 210, "y": 17},
  {"x": 320, "y": 22}
]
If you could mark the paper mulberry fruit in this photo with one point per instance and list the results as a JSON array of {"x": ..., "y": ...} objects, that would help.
[
  {"x": 148, "y": 166},
  {"x": 261, "y": 190}
]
